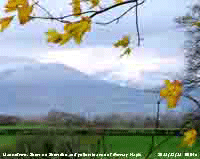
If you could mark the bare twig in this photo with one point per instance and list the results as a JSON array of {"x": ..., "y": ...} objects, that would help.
[
  {"x": 70, "y": 15},
  {"x": 50, "y": 18},
  {"x": 111, "y": 7},
  {"x": 117, "y": 19},
  {"x": 44, "y": 10},
  {"x": 49, "y": 14},
  {"x": 194, "y": 100},
  {"x": 35, "y": 3},
  {"x": 137, "y": 24},
  {"x": 95, "y": 12},
  {"x": 62, "y": 21}
]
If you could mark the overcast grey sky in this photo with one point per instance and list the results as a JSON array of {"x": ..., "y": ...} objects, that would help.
[{"x": 161, "y": 51}]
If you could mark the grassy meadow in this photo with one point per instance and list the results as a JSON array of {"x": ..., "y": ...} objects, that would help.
[{"x": 47, "y": 141}]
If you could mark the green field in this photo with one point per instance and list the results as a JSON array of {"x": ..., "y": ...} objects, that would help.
[
  {"x": 50, "y": 142},
  {"x": 24, "y": 126},
  {"x": 114, "y": 144}
]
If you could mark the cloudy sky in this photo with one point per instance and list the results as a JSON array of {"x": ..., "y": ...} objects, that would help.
[
  {"x": 160, "y": 55},
  {"x": 161, "y": 50}
]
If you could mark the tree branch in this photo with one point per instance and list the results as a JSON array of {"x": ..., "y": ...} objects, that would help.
[
  {"x": 137, "y": 24},
  {"x": 70, "y": 15},
  {"x": 117, "y": 19},
  {"x": 44, "y": 10},
  {"x": 35, "y": 3},
  {"x": 194, "y": 100},
  {"x": 50, "y": 16},
  {"x": 95, "y": 12},
  {"x": 116, "y": 5}
]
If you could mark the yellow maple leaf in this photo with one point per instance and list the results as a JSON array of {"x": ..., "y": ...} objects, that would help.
[
  {"x": 65, "y": 38},
  {"x": 118, "y": 1},
  {"x": 12, "y": 5},
  {"x": 68, "y": 27},
  {"x": 85, "y": 24},
  {"x": 167, "y": 83},
  {"x": 72, "y": 27},
  {"x": 171, "y": 102},
  {"x": 123, "y": 42},
  {"x": 94, "y": 3},
  {"x": 78, "y": 29},
  {"x": 53, "y": 36},
  {"x": 163, "y": 92},
  {"x": 76, "y": 7},
  {"x": 78, "y": 37},
  {"x": 24, "y": 12},
  {"x": 178, "y": 88},
  {"x": 72, "y": 30},
  {"x": 126, "y": 52},
  {"x": 172, "y": 93},
  {"x": 5, "y": 22},
  {"x": 189, "y": 138}
]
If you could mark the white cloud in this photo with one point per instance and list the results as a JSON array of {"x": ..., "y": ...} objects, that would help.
[
  {"x": 94, "y": 61},
  {"x": 143, "y": 67}
]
